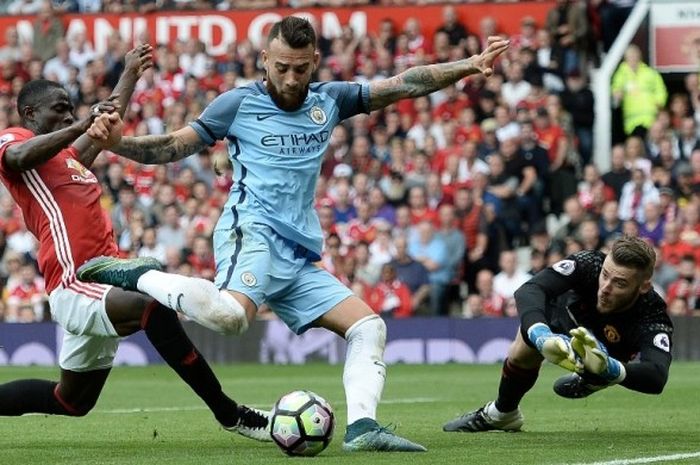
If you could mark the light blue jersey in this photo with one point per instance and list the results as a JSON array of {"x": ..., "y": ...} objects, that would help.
[
  {"x": 277, "y": 155},
  {"x": 269, "y": 234}
]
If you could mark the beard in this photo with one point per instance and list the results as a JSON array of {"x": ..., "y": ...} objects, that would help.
[{"x": 287, "y": 102}]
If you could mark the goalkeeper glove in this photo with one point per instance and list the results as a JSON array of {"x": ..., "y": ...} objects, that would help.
[
  {"x": 595, "y": 356},
  {"x": 556, "y": 348}
]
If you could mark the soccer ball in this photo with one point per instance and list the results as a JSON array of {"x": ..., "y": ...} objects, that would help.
[{"x": 302, "y": 423}]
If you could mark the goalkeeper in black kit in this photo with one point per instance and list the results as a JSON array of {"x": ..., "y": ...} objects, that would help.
[{"x": 593, "y": 314}]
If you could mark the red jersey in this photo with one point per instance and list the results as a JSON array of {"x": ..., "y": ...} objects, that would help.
[
  {"x": 27, "y": 292},
  {"x": 394, "y": 297},
  {"x": 550, "y": 138},
  {"x": 450, "y": 109},
  {"x": 358, "y": 231},
  {"x": 60, "y": 200}
]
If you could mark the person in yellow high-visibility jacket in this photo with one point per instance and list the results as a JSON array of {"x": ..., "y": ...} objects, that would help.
[{"x": 641, "y": 91}]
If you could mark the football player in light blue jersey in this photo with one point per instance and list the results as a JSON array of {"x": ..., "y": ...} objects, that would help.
[{"x": 269, "y": 236}]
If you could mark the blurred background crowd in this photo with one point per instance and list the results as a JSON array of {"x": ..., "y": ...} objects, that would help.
[
  {"x": 442, "y": 205},
  {"x": 23, "y": 7}
]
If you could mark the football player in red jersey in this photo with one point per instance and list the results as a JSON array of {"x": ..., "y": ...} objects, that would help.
[{"x": 45, "y": 166}]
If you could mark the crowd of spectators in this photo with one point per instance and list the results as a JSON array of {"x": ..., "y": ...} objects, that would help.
[
  {"x": 30, "y": 7},
  {"x": 442, "y": 205}
]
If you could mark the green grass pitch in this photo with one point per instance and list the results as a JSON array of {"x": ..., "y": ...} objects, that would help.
[{"x": 148, "y": 416}]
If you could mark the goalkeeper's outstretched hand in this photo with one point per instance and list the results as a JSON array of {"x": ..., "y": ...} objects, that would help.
[
  {"x": 595, "y": 356},
  {"x": 555, "y": 348}
]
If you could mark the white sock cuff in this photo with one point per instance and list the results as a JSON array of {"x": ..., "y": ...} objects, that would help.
[{"x": 352, "y": 329}]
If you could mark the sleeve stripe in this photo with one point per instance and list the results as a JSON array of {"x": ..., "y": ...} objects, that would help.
[
  {"x": 365, "y": 98},
  {"x": 207, "y": 130}
]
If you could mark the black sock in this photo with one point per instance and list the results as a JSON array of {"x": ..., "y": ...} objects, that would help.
[
  {"x": 165, "y": 332},
  {"x": 31, "y": 396},
  {"x": 515, "y": 382}
]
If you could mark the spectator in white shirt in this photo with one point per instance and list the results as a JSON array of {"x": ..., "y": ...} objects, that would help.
[
  {"x": 637, "y": 192},
  {"x": 81, "y": 51},
  {"x": 171, "y": 231},
  {"x": 193, "y": 60},
  {"x": 511, "y": 277},
  {"x": 150, "y": 247},
  {"x": 24, "y": 7},
  {"x": 515, "y": 89},
  {"x": 58, "y": 68}
]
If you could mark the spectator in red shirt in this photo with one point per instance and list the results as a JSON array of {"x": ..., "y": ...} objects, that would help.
[
  {"x": 527, "y": 35},
  {"x": 687, "y": 287},
  {"x": 493, "y": 305},
  {"x": 390, "y": 297},
  {"x": 553, "y": 138},
  {"x": 417, "y": 43},
  {"x": 418, "y": 205},
  {"x": 28, "y": 291},
  {"x": 362, "y": 228},
  {"x": 450, "y": 108},
  {"x": 587, "y": 188},
  {"x": 467, "y": 128},
  {"x": 212, "y": 79},
  {"x": 327, "y": 219},
  {"x": 673, "y": 249},
  {"x": 202, "y": 258}
]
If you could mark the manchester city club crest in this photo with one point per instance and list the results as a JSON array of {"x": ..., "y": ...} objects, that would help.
[
  {"x": 317, "y": 115},
  {"x": 249, "y": 279}
]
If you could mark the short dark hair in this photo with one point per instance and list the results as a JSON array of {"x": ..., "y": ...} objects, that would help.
[
  {"x": 295, "y": 32},
  {"x": 634, "y": 252},
  {"x": 34, "y": 92}
]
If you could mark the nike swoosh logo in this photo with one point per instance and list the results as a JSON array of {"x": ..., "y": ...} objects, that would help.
[
  {"x": 264, "y": 117},
  {"x": 382, "y": 366},
  {"x": 178, "y": 306}
]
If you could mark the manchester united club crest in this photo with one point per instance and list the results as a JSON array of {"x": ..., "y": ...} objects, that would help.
[
  {"x": 83, "y": 174},
  {"x": 611, "y": 334},
  {"x": 317, "y": 115}
]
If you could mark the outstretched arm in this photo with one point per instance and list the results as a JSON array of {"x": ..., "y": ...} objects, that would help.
[
  {"x": 422, "y": 80},
  {"x": 137, "y": 61},
  {"x": 158, "y": 150},
  {"x": 39, "y": 149}
]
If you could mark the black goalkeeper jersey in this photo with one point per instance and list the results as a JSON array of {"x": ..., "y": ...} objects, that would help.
[{"x": 564, "y": 296}]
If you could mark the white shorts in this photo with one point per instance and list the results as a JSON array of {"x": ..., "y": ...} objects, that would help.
[{"x": 89, "y": 339}]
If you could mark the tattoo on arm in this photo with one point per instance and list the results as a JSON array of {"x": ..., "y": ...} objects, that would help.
[
  {"x": 419, "y": 81},
  {"x": 157, "y": 150}
]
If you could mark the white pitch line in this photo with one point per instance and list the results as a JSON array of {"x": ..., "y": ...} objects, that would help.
[
  {"x": 658, "y": 458},
  {"x": 191, "y": 408}
]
